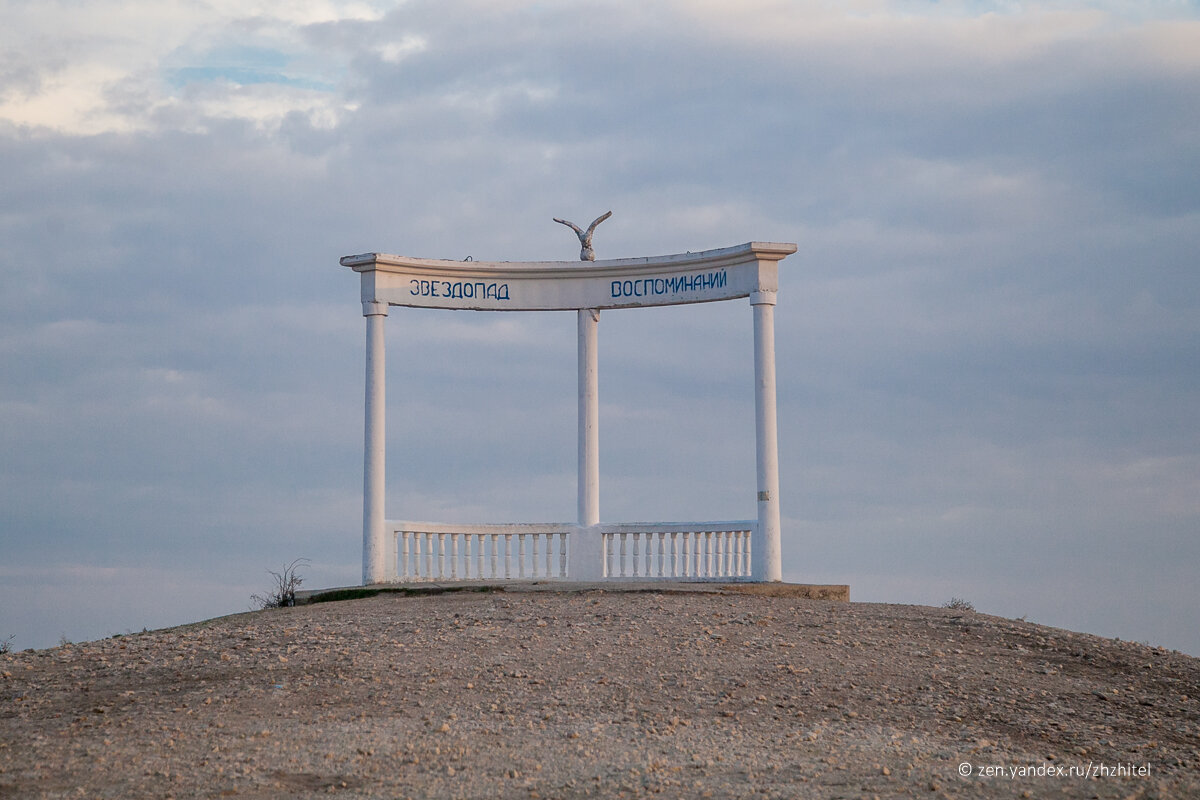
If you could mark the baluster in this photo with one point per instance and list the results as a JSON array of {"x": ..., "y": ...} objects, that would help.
[
  {"x": 507, "y": 555},
  {"x": 719, "y": 547},
  {"x": 662, "y": 549},
  {"x": 562, "y": 555},
  {"x": 533, "y": 560},
  {"x": 480, "y": 544},
  {"x": 454, "y": 556},
  {"x": 520, "y": 555},
  {"x": 699, "y": 538},
  {"x": 404, "y": 555},
  {"x": 649, "y": 553},
  {"x": 624, "y": 537},
  {"x": 467, "y": 556},
  {"x": 495, "y": 572},
  {"x": 607, "y": 545},
  {"x": 674, "y": 554},
  {"x": 636, "y": 538},
  {"x": 549, "y": 547}
]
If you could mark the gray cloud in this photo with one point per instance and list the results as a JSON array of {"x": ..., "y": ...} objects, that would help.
[{"x": 987, "y": 339}]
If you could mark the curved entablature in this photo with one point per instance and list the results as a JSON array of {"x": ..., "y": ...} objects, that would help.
[{"x": 723, "y": 274}]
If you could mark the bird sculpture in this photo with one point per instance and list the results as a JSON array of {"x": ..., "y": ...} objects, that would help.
[{"x": 586, "y": 253}]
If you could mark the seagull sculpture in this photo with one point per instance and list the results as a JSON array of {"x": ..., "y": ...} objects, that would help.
[{"x": 586, "y": 253}]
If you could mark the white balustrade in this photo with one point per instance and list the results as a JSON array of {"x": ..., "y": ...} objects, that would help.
[
  {"x": 430, "y": 551},
  {"x": 696, "y": 551},
  {"x": 478, "y": 552}
]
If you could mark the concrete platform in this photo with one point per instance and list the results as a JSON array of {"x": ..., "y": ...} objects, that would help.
[{"x": 810, "y": 591}]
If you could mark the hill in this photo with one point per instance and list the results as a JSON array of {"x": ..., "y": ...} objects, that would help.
[{"x": 601, "y": 694}]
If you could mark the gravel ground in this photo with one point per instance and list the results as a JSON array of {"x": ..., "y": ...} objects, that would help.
[{"x": 600, "y": 694}]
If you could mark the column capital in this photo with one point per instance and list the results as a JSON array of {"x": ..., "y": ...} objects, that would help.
[
  {"x": 763, "y": 298},
  {"x": 373, "y": 308}
]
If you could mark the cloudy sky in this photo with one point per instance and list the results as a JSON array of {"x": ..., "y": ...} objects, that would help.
[{"x": 988, "y": 341}]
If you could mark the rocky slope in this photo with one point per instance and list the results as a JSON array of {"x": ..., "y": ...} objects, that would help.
[{"x": 601, "y": 694}]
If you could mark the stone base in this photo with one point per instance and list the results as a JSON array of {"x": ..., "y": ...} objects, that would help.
[{"x": 833, "y": 592}]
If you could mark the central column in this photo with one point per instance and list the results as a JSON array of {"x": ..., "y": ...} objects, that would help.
[
  {"x": 375, "y": 549},
  {"x": 589, "y": 418}
]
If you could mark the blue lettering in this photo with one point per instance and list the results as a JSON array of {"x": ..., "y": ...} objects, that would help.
[{"x": 645, "y": 287}]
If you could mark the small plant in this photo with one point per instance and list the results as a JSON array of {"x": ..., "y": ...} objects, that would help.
[
  {"x": 958, "y": 604},
  {"x": 287, "y": 581},
  {"x": 6, "y": 645}
]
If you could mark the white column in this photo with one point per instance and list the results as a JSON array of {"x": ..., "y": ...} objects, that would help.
[
  {"x": 585, "y": 561},
  {"x": 375, "y": 549},
  {"x": 766, "y": 560},
  {"x": 589, "y": 418}
]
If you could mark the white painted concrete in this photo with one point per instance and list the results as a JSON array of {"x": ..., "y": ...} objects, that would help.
[
  {"x": 768, "y": 564},
  {"x": 684, "y": 551},
  {"x": 720, "y": 551},
  {"x": 589, "y": 417},
  {"x": 375, "y": 564},
  {"x": 723, "y": 274}
]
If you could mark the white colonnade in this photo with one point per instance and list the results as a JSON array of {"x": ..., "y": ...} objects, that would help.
[{"x": 748, "y": 270}]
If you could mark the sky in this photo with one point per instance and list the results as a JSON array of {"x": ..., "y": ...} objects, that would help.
[{"x": 988, "y": 340}]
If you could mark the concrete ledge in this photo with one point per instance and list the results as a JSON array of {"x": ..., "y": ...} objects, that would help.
[{"x": 833, "y": 592}]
